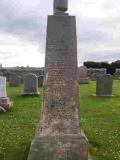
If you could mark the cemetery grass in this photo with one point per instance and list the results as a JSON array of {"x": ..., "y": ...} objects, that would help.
[
  {"x": 17, "y": 126},
  {"x": 100, "y": 119}
]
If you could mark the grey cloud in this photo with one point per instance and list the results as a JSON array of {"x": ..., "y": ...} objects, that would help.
[
  {"x": 28, "y": 19},
  {"x": 4, "y": 53},
  {"x": 17, "y": 20},
  {"x": 92, "y": 35},
  {"x": 111, "y": 4},
  {"x": 8, "y": 57},
  {"x": 91, "y": 30},
  {"x": 29, "y": 25}
]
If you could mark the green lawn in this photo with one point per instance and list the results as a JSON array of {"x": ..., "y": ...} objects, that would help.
[
  {"x": 101, "y": 122},
  {"x": 17, "y": 127},
  {"x": 100, "y": 119}
]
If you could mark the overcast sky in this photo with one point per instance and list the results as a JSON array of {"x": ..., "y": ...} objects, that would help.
[{"x": 23, "y": 30}]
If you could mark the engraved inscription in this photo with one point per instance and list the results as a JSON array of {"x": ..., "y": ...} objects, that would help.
[{"x": 61, "y": 102}]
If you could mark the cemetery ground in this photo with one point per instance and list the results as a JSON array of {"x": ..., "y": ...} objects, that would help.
[{"x": 100, "y": 118}]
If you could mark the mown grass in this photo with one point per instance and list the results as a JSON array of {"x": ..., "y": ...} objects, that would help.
[
  {"x": 17, "y": 127},
  {"x": 101, "y": 122},
  {"x": 100, "y": 119}
]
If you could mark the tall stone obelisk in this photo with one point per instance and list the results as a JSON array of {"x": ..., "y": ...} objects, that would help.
[{"x": 59, "y": 136}]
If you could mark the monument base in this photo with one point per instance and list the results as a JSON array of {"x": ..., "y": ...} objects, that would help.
[
  {"x": 84, "y": 81},
  {"x": 30, "y": 93},
  {"x": 5, "y": 103},
  {"x": 59, "y": 147},
  {"x": 108, "y": 95}
]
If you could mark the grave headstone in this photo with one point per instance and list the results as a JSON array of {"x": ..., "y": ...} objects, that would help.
[
  {"x": 59, "y": 136},
  {"x": 60, "y": 6},
  {"x": 30, "y": 84},
  {"x": 117, "y": 73},
  {"x": 14, "y": 80},
  {"x": 2, "y": 87},
  {"x": 94, "y": 72},
  {"x": 40, "y": 81},
  {"x": 82, "y": 73},
  {"x": 4, "y": 100},
  {"x": 104, "y": 85}
]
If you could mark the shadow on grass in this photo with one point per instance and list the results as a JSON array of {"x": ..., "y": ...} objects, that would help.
[
  {"x": 24, "y": 97},
  {"x": 14, "y": 152},
  {"x": 102, "y": 98},
  {"x": 95, "y": 144},
  {"x": 2, "y": 157}
]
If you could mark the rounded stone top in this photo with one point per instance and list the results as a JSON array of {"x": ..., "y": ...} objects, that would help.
[
  {"x": 61, "y": 5},
  {"x": 30, "y": 74}
]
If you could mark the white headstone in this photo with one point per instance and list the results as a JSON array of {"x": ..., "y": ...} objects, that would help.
[{"x": 2, "y": 87}]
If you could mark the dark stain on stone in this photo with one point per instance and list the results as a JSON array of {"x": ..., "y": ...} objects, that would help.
[{"x": 61, "y": 102}]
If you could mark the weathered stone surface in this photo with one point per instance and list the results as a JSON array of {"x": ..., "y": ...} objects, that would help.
[
  {"x": 4, "y": 100},
  {"x": 60, "y": 6},
  {"x": 2, "y": 87},
  {"x": 14, "y": 80},
  {"x": 82, "y": 73},
  {"x": 30, "y": 84},
  {"x": 6, "y": 103},
  {"x": 58, "y": 136},
  {"x": 104, "y": 85},
  {"x": 61, "y": 105},
  {"x": 67, "y": 147}
]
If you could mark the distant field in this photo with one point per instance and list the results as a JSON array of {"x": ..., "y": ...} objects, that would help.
[{"x": 100, "y": 118}]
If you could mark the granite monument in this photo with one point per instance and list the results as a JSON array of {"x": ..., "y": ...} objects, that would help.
[
  {"x": 104, "y": 84},
  {"x": 59, "y": 135},
  {"x": 30, "y": 84},
  {"x": 14, "y": 80},
  {"x": 5, "y": 102},
  {"x": 82, "y": 74}
]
